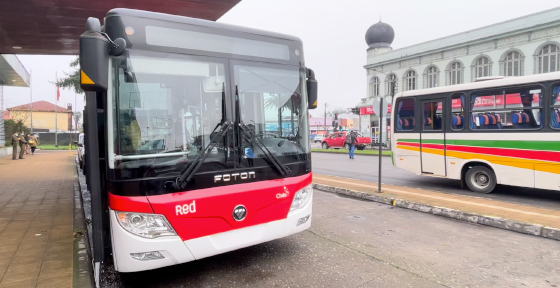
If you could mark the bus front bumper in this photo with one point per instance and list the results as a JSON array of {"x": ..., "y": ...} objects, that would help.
[{"x": 176, "y": 251}]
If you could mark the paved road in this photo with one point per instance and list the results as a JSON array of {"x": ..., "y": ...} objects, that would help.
[
  {"x": 354, "y": 243},
  {"x": 366, "y": 168}
]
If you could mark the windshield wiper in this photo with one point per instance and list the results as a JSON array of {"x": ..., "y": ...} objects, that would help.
[
  {"x": 249, "y": 136},
  {"x": 182, "y": 181}
]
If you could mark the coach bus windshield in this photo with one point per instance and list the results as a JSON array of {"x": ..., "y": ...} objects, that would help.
[{"x": 166, "y": 106}]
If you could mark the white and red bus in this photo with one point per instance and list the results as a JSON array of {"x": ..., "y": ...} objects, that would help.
[{"x": 197, "y": 135}]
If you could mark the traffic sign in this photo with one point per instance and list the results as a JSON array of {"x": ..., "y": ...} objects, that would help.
[{"x": 376, "y": 106}]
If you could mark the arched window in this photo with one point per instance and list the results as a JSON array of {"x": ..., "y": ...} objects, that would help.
[
  {"x": 409, "y": 80},
  {"x": 511, "y": 63},
  {"x": 549, "y": 59},
  {"x": 389, "y": 88},
  {"x": 431, "y": 76},
  {"x": 455, "y": 73},
  {"x": 482, "y": 67},
  {"x": 374, "y": 87}
]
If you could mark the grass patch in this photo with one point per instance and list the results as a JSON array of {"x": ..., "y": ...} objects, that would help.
[
  {"x": 357, "y": 152},
  {"x": 52, "y": 147}
]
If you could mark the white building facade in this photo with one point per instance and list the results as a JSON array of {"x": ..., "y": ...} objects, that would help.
[{"x": 522, "y": 46}]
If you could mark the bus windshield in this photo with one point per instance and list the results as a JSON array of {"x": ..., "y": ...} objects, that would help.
[{"x": 167, "y": 106}]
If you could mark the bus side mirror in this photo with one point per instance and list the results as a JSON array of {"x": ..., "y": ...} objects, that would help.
[
  {"x": 94, "y": 58},
  {"x": 311, "y": 89}
]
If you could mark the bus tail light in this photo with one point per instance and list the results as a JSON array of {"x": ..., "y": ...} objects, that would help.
[
  {"x": 145, "y": 225},
  {"x": 301, "y": 198}
]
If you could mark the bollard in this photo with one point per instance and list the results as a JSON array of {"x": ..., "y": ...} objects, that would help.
[{"x": 70, "y": 149}]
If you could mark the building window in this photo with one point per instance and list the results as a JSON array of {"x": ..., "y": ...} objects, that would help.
[
  {"x": 374, "y": 87},
  {"x": 431, "y": 76},
  {"x": 482, "y": 67},
  {"x": 512, "y": 64},
  {"x": 455, "y": 73},
  {"x": 389, "y": 87},
  {"x": 409, "y": 81},
  {"x": 549, "y": 59}
]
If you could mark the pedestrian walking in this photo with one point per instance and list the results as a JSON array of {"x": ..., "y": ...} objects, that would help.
[
  {"x": 22, "y": 144},
  {"x": 351, "y": 141},
  {"x": 33, "y": 142},
  {"x": 15, "y": 144},
  {"x": 27, "y": 145}
]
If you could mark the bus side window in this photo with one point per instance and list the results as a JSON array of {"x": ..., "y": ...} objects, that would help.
[
  {"x": 555, "y": 111},
  {"x": 432, "y": 116},
  {"x": 457, "y": 111},
  {"x": 405, "y": 115}
]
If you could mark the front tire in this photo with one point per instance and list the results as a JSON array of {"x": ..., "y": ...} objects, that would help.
[
  {"x": 325, "y": 145},
  {"x": 480, "y": 179},
  {"x": 360, "y": 148}
]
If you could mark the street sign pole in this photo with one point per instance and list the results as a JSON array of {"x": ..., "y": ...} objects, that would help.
[{"x": 380, "y": 143}]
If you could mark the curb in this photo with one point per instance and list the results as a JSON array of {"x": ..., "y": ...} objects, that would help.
[
  {"x": 82, "y": 271},
  {"x": 497, "y": 222},
  {"x": 328, "y": 152}
]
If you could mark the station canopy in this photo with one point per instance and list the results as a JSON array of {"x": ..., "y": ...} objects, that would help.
[{"x": 54, "y": 27}]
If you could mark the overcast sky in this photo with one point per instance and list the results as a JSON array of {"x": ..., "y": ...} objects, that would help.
[{"x": 333, "y": 34}]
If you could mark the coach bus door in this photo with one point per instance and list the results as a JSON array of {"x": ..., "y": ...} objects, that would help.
[{"x": 432, "y": 137}]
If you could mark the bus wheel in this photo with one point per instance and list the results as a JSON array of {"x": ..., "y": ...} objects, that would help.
[
  {"x": 480, "y": 179},
  {"x": 324, "y": 145}
]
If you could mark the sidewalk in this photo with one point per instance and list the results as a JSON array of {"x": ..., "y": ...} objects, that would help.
[
  {"x": 480, "y": 210},
  {"x": 36, "y": 220}
]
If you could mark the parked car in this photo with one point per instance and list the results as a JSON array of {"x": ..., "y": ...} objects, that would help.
[
  {"x": 338, "y": 140},
  {"x": 81, "y": 152},
  {"x": 318, "y": 139}
]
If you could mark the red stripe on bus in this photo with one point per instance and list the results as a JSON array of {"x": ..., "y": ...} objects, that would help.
[
  {"x": 526, "y": 154},
  {"x": 204, "y": 212},
  {"x": 409, "y": 144},
  {"x": 433, "y": 146},
  {"x": 130, "y": 204}
]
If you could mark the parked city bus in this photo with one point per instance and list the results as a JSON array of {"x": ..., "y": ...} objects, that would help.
[
  {"x": 497, "y": 131},
  {"x": 187, "y": 157}
]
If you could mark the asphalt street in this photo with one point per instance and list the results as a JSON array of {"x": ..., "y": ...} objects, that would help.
[
  {"x": 354, "y": 243},
  {"x": 366, "y": 168}
]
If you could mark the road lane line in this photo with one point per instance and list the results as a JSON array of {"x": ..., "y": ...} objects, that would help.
[{"x": 444, "y": 198}]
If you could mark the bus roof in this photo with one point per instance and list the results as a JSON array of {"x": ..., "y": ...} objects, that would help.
[
  {"x": 483, "y": 84},
  {"x": 197, "y": 22}
]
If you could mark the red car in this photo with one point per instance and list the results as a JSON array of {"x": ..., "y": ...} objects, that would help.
[{"x": 338, "y": 140}]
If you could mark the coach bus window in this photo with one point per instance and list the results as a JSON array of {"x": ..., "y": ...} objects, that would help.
[
  {"x": 273, "y": 105},
  {"x": 457, "y": 111},
  {"x": 555, "y": 111},
  {"x": 165, "y": 107},
  {"x": 432, "y": 116},
  {"x": 405, "y": 115},
  {"x": 507, "y": 109}
]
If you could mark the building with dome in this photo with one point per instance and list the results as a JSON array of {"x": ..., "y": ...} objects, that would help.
[{"x": 517, "y": 47}]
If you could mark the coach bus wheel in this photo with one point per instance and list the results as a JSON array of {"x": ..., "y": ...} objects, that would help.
[
  {"x": 324, "y": 145},
  {"x": 480, "y": 179}
]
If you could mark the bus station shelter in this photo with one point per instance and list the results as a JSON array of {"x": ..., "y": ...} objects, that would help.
[{"x": 45, "y": 27}]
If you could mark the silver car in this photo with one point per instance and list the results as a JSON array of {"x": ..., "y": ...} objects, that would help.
[{"x": 81, "y": 151}]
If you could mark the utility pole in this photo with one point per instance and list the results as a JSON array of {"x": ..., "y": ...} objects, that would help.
[
  {"x": 326, "y": 129},
  {"x": 56, "y": 113}
]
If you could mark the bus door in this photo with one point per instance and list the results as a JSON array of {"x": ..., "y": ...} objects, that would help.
[{"x": 432, "y": 137}]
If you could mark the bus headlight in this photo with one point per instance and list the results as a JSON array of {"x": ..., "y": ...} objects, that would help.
[
  {"x": 301, "y": 198},
  {"x": 145, "y": 225}
]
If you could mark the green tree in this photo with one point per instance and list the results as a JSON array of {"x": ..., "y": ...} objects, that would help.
[
  {"x": 72, "y": 80},
  {"x": 10, "y": 126}
]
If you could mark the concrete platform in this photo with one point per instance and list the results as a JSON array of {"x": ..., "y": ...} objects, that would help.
[{"x": 36, "y": 220}]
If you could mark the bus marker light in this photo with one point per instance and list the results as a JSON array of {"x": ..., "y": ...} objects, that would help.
[
  {"x": 452, "y": 163},
  {"x": 129, "y": 30},
  {"x": 145, "y": 256},
  {"x": 302, "y": 220}
]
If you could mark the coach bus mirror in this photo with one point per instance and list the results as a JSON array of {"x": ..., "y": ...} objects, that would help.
[
  {"x": 311, "y": 89},
  {"x": 94, "y": 58},
  {"x": 119, "y": 49}
]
